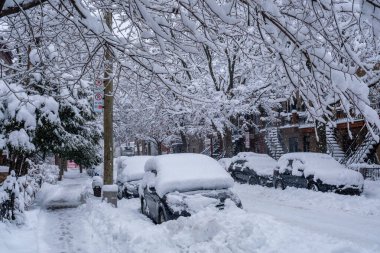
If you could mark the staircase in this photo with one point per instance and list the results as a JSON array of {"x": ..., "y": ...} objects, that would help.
[
  {"x": 273, "y": 142},
  {"x": 333, "y": 147},
  {"x": 362, "y": 152}
]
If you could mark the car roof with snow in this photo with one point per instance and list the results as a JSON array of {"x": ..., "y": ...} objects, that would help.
[
  {"x": 321, "y": 166},
  {"x": 185, "y": 172},
  {"x": 131, "y": 168},
  {"x": 262, "y": 164}
]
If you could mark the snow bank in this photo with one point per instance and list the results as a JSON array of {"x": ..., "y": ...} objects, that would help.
[
  {"x": 125, "y": 229},
  {"x": 366, "y": 204},
  {"x": 58, "y": 196},
  {"x": 131, "y": 168},
  {"x": 323, "y": 167},
  {"x": 262, "y": 164},
  {"x": 185, "y": 172},
  {"x": 225, "y": 162}
]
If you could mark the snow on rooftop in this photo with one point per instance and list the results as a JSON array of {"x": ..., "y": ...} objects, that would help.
[
  {"x": 262, "y": 164},
  {"x": 131, "y": 168},
  {"x": 4, "y": 169},
  {"x": 185, "y": 172},
  {"x": 323, "y": 167}
]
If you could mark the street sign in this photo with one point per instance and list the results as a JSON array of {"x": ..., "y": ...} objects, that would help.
[{"x": 98, "y": 96}]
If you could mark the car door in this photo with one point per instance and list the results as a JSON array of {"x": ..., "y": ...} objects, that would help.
[
  {"x": 150, "y": 196},
  {"x": 297, "y": 171}
]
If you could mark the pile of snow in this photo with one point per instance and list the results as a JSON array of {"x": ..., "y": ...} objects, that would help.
[
  {"x": 185, "y": 172},
  {"x": 302, "y": 199},
  {"x": 262, "y": 164},
  {"x": 321, "y": 166},
  {"x": 60, "y": 196},
  {"x": 4, "y": 169},
  {"x": 225, "y": 162},
  {"x": 125, "y": 229},
  {"x": 131, "y": 168}
]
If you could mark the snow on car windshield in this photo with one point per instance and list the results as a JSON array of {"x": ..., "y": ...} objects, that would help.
[
  {"x": 323, "y": 167},
  {"x": 185, "y": 172},
  {"x": 262, "y": 164},
  {"x": 131, "y": 168}
]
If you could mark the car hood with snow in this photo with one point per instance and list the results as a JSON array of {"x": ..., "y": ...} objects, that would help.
[
  {"x": 131, "y": 168},
  {"x": 262, "y": 164},
  {"x": 185, "y": 172},
  {"x": 322, "y": 167}
]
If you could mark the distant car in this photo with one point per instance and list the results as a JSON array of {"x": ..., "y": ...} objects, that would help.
[
  {"x": 130, "y": 171},
  {"x": 253, "y": 168},
  {"x": 225, "y": 162},
  {"x": 317, "y": 172},
  {"x": 181, "y": 184}
]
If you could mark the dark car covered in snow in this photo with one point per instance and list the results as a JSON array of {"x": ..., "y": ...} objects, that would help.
[
  {"x": 177, "y": 185},
  {"x": 130, "y": 171},
  {"x": 253, "y": 168},
  {"x": 317, "y": 172}
]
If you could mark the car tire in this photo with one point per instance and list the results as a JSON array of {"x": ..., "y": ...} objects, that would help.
[
  {"x": 262, "y": 182},
  {"x": 161, "y": 217},
  {"x": 279, "y": 184},
  {"x": 119, "y": 195},
  {"x": 313, "y": 186},
  {"x": 253, "y": 180}
]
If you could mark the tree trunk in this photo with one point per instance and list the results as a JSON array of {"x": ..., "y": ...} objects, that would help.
[
  {"x": 228, "y": 142},
  {"x": 321, "y": 137},
  {"x": 220, "y": 141},
  {"x": 137, "y": 142},
  {"x": 184, "y": 148},
  {"x": 80, "y": 168},
  {"x": 159, "y": 148}
]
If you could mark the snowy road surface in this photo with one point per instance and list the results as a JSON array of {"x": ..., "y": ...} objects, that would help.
[{"x": 293, "y": 220}]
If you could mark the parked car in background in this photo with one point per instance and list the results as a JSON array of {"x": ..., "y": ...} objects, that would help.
[
  {"x": 180, "y": 184},
  {"x": 130, "y": 171},
  {"x": 253, "y": 168},
  {"x": 225, "y": 162},
  {"x": 317, "y": 172}
]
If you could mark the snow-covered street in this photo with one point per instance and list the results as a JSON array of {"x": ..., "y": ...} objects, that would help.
[{"x": 293, "y": 220}]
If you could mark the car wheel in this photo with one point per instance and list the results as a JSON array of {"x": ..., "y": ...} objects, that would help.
[
  {"x": 252, "y": 180},
  {"x": 313, "y": 186},
  {"x": 161, "y": 217},
  {"x": 279, "y": 184},
  {"x": 262, "y": 182}
]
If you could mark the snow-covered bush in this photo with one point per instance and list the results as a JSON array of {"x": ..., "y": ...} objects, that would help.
[{"x": 12, "y": 205}]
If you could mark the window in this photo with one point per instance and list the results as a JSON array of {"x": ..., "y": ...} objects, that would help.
[
  {"x": 293, "y": 144},
  {"x": 306, "y": 143}
]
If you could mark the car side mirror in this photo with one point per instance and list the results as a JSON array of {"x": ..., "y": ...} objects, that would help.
[
  {"x": 300, "y": 169},
  {"x": 152, "y": 189}
]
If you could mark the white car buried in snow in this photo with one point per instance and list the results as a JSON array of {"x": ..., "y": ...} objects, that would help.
[
  {"x": 181, "y": 184},
  {"x": 130, "y": 171},
  {"x": 318, "y": 172}
]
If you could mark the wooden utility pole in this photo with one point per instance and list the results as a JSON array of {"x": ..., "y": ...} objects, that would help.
[
  {"x": 109, "y": 190},
  {"x": 108, "y": 109}
]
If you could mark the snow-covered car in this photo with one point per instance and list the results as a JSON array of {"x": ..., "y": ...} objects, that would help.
[
  {"x": 130, "y": 171},
  {"x": 253, "y": 168},
  {"x": 181, "y": 184},
  {"x": 225, "y": 162},
  {"x": 318, "y": 172}
]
